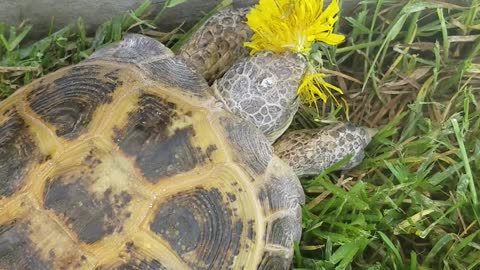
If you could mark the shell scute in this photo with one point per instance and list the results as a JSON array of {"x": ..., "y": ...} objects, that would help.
[
  {"x": 250, "y": 147},
  {"x": 201, "y": 227},
  {"x": 69, "y": 102},
  {"x": 143, "y": 172},
  {"x": 18, "y": 152},
  {"x": 173, "y": 72},
  {"x": 91, "y": 217},
  {"x": 164, "y": 137},
  {"x": 132, "y": 49},
  {"x": 17, "y": 249}
]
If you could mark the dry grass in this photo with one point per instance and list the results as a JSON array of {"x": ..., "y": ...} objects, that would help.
[{"x": 409, "y": 68}]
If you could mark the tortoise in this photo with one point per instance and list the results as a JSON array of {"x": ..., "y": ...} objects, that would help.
[{"x": 132, "y": 160}]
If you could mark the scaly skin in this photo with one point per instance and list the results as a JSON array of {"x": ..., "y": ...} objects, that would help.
[
  {"x": 311, "y": 151},
  {"x": 263, "y": 90},
  {"x": 214, "y": 48}
]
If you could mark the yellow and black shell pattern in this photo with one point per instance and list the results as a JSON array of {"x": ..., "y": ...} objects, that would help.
[{"x": 126, "y": 161}]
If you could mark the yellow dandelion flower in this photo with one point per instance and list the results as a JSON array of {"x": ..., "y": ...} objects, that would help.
[
  {"x": 314, "y": 86},
  {"x": 292, "y": 25}
]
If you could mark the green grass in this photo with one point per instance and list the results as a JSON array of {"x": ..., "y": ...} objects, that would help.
[
  {"x": 412, "y": 69},
  {"x": 413, "y": 202}
]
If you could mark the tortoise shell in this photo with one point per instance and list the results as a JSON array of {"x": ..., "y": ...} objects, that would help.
[{"x": 126, "y": 161}]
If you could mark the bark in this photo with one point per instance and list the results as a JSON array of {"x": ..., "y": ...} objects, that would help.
[{"x": 40, "y": 13}]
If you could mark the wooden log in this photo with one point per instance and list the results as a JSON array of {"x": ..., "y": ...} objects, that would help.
[{"x": 39, "y": 13}]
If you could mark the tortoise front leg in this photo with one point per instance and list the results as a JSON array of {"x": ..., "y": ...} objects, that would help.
[
  {"x": 309, "y": 152},
  {"x": 218, "y": 44}
]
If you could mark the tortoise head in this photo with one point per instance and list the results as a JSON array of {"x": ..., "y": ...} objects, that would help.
[{"x": 262, "y": 88}]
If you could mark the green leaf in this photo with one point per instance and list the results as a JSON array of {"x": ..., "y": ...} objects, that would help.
[
  {"x": 345, "y": 254},
  {"x": 351, "y": 198},
  {"x": 185, "y": 38},
  {"x": 444, "y": 240},
  {"x": 13, "y": 43},
  {"x": 390, "y": 246},
  {"x": 129, "y": 19},
  {"x": 173, "y": 3}
]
